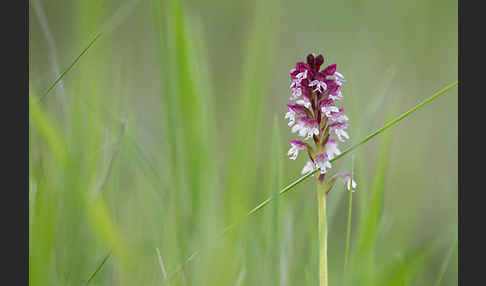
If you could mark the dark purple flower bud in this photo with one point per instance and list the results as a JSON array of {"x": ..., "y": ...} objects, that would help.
[
  {"x": 319, "y": 61},
  {"x": 296, "y": 108},
  {"x": 310, "y": 60},
  {"x": 332, "y": 86},
  {"x": 329, "y": 70}
]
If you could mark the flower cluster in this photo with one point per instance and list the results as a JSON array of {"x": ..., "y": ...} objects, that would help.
[{"x": 314, "y": 113}]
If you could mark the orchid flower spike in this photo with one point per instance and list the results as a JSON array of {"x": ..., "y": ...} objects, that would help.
[{"x": 313, "y": 114}]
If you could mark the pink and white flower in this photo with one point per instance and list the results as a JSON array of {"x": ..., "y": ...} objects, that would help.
[
  {"x": 314, "y": 113},
  {"x": 339, "y": 78},
  {"x": 350, "y": 184},
  {"x": 307, "y": 127},
  {"x": 322, "y": 162},
  {"x": 332, "y": 149},
  {"x": 294, "y": 109},
  {"x": 338, "y": 129},
  {"x": 327, "y": 107},
  {"x": 320, "y": 85},
  {"x": 309, "y": 167},
  {"x": 304, "y": 102},
  {"x": 296, "y": 146},
  {"x": 338, "y": 116},
  {"x": 296, "y": 93}
]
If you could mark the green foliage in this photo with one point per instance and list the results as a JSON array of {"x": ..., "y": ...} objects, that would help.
[{"x": 170, "y": 128}]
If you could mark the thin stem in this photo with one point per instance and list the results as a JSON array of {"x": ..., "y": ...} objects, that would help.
[
  {"x": 322, "y": 226},
  {"x": 98, "y": 268}
]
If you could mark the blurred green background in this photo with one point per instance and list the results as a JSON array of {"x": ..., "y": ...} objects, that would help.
[{"x": 171, "y": 127}]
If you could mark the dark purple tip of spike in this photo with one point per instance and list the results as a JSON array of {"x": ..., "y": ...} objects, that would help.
[
  {"x": 310, "y": 60},
  {"x": 319, "y": 61}
]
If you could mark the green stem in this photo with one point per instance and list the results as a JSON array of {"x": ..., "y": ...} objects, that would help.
[{"x": 322, "y": 225}]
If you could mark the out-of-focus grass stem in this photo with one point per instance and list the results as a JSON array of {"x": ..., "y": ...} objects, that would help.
[
  {"x": 445, "y": 263},
  {"x": 348, "y": 228}
]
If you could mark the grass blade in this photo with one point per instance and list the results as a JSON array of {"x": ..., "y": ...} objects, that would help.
[
  {"x": 112, "y": 160},
  {"x": 98, "y": 268},
  {"x": 448, "y": 257},
  {"x": 396, "y": 120},
  {"x": 161, "y": 264},
  {"x": 370, "y": 224},
  {"x": 276, "y": 175},
  {"x": 403, "y": 271},
  {"x": 70, "y": 67}
]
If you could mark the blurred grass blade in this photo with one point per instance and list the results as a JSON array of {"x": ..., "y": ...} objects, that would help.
[
  {"x": 405, "y": 270},
  {"x": 369, "y": 228},
  {"x": 161, "y": 264},
  {"x": 51, "y": 43},
  {"x": 276, "y": 178},
  {"x": 445, "y": 263},
  {"x": 348, "y": 227},
  {"x": 48, "y": 130},
  {"x": 255, "y": 77},
  {"x": 70, "y": 66},
  {"x": 113, "y": 157},
  {"x": 373, "y": 107}
]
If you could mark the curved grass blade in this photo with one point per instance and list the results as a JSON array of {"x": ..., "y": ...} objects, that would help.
[{"x": 70, "y": 66}]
